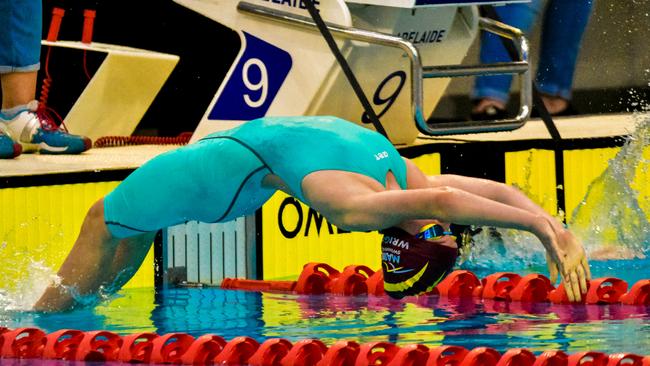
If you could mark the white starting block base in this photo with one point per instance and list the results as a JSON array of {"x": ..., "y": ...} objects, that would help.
[{"x": 120, "y": 91}]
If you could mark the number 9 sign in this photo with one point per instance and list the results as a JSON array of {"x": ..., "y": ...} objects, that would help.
[
  {"x": 262, "y": 85},
  {"x": 254, "y": 83},
  {"x": 387, "y": 101}
]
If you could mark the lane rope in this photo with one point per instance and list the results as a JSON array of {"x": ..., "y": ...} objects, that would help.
[
  {"x": 355, "y": 280},
  {"x": 182, "y": 348}
]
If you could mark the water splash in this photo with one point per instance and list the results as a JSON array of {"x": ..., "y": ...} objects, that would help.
[
  {"x": 503, "y": 250},
  {"x": 28, "y": 268},
  {"x": 33, "y": 283},
  {"x": 612, "y": 219},
  {"x": 25, "y": 271}
]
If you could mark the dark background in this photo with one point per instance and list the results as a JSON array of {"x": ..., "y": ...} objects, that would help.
[{"x": 206, "y": 51}]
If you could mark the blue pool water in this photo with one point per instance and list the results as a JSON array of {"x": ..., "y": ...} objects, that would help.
[{"x": 432, "y": 321}]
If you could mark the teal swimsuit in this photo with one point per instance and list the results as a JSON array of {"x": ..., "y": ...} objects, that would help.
[{"x": 219, "y": 178}]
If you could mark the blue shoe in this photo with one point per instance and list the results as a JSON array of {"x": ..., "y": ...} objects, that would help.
[
  {"x": 8, "y": 148},
  {"x": 36, "y": 131}
]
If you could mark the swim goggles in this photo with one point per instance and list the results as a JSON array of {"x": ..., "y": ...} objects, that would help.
[{"x": 433, "y": 232}]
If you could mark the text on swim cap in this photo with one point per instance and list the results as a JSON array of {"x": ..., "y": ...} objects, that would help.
[
  {"x": 390, "y": 257},
  {"x": 396, "y": 242}
]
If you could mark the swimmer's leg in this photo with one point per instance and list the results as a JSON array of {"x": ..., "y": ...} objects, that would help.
[
  {"x": 129, "y": 256},
  {"x": 85, "y": 268}
]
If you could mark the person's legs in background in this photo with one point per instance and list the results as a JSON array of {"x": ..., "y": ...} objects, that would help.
[
  {"x": 21, "y": 118},
  {"x": 20, "y": 45},
  {"x": 18, "y": 88},
  {"x": 8, "y": 148},
  {"x": 491, "y": 93},
  {"x": 564, "y": 25}
]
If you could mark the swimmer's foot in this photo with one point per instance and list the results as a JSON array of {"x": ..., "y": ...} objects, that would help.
[
  {"x": 36, "y": 131},
  {"x": 8, "y": 148}
]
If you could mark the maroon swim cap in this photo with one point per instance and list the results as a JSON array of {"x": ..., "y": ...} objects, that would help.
[{"x": 413, "y": 266}]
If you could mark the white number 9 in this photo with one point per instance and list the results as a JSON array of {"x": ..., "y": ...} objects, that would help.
[{"x": 262, "y": 85}]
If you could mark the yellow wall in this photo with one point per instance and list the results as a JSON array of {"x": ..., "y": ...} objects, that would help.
[
  {"x": 581, "y": 167},
  {"x": 284, "y": 257},
  {"x": 533, "y": 171},
  {"x": 40, "y": 224}
]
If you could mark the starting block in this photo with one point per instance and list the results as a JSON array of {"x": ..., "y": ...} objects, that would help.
[
  {"x": 120, "y": 91},
  {"x": 403, "y": 53}
]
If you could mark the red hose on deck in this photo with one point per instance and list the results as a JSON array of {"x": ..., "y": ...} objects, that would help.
[{"x": 113, "y": 141}]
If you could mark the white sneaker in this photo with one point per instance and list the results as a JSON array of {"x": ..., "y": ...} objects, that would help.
[
  {"x": 8, "y": 148},
  {"x": 36, "y": 131}
]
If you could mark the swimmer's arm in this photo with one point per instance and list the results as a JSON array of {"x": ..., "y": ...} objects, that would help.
[
  {"x": 569, "y": 248},
  {"x": 496, "y": 191},
  {"x": 383, "y": 209},
  {"x": 379, "y": 210}
]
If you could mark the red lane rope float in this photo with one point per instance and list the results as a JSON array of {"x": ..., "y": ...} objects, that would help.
[
  {"x": 99, "y": 346},
  {"x": 639, "y": 294},
  {"x": 62, "y": 344},
  {"x": 22, "y": 343},
  {"x": 114, "y": 141},
  {"x": 320, "y": 278},
  {"x": 137, "y": 348},
  {"x": 182, "y": 348}
]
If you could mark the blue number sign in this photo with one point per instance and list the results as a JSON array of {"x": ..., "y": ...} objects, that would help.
[{"x": 255, "y": 82}]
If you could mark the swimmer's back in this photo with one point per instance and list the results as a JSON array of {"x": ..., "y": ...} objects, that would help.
[{"x": 293, "y": 147}]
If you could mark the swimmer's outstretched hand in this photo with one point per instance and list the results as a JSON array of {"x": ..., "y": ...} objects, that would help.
[{"x": 570, "y": 261}]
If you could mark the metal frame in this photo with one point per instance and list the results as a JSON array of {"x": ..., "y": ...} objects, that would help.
[{"x": 418, "y": 72}]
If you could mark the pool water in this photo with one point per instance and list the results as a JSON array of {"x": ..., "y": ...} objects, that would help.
[{"x": 431, "y": 321}]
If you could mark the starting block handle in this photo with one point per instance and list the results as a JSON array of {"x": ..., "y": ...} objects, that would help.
[
  {"x": 418, "y": 72},
  {"x": 520, "y": 67}
]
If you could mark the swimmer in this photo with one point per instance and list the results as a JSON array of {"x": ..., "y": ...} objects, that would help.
[{"x": 353, "y": 176}]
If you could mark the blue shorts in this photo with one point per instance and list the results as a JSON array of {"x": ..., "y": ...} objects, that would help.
[
  {"x": 21, "y": 24},
  {"x": 210, "y": 181}
]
